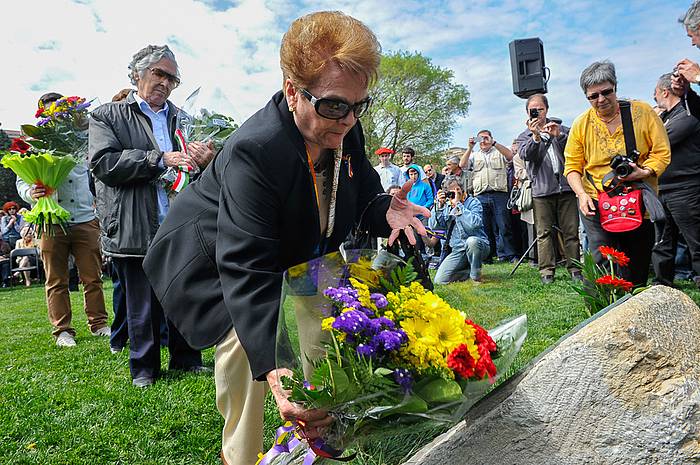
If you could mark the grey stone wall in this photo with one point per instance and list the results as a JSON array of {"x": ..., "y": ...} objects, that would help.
[{"x": 622, "y": 389}]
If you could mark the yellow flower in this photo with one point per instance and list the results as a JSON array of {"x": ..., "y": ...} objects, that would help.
[
  {"x": 363, "y": 294},
  {"x": 445, "y": 334},
  {"x": 326, "y": 324}
]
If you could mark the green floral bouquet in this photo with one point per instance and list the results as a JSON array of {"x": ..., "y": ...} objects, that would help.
[{"x": 52, "y": 148}]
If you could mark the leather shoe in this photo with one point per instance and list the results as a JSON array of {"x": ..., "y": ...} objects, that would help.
[
  {"x": 142, "y": 382},
  {"x": 547, "y": 279}
]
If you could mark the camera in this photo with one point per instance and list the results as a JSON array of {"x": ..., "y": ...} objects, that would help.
[
  {"x": 534, "y": 113},
  {"x": 621, "y": 164},
  {"x": 450, "y": 194}
]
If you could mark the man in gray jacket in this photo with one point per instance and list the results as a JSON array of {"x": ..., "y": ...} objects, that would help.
[
  {"x": 541, "y": 146},
  {"x": 131, "y": 144}
]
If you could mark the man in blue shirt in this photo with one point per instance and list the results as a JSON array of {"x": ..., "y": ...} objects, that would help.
[{"x": 131, "y": 145}]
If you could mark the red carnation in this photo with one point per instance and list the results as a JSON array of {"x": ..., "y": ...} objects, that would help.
[
  {"x": 615, "y": 255},
  {"x": 461, "y": 362},
  {"x": 39, "y": 112},
  {"x": 619, "y": 283},
  {"x": 482, "y": 337},
  {"x": 485, "y": 364},
  {"x": 18, "y": 145}
]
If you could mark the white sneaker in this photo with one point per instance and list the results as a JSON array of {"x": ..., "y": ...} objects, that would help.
[
  {"x": 65, "y": 340},
  {"x": 103, "y": 331}
]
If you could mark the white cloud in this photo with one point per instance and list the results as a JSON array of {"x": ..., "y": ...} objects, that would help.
[{"x": 231, "y": 49}]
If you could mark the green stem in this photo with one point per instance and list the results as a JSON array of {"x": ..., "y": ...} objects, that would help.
[{"x": 612, "y": 268}]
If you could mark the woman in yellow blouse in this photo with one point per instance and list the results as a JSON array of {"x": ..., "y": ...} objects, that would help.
[{"x": 595, "y": 138}]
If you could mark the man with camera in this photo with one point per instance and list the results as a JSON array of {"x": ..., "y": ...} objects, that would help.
[
  {"x": 596, "y": 139},
  {"x": 489, "y": 180},
  {"x": 466, "y": 245},
  {"x": 541, "y": 146},
  {"x": 679, "y": 186}
]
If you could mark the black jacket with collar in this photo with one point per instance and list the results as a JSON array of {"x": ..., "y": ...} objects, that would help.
[
  {"x": 219, "y": 256},
  {"x": 684, "y": 135},
  {"x": 124, "y": 161}
]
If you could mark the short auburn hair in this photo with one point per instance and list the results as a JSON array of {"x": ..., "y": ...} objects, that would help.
[{"x": 328, "y": 37}]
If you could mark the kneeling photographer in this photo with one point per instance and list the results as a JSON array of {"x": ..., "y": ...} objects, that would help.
[
  {"x": 466, "y": 245},
  {"x": 595, "y": 139}
]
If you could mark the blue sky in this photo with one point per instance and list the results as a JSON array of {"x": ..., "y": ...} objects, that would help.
[{"x": 231, "y": 48}]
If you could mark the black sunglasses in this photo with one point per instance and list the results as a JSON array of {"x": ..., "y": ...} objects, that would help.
[
  {"x": 604, "y": 93},
  {"x": 160, "y": 74},
  {"x": 336, "y": 109}
]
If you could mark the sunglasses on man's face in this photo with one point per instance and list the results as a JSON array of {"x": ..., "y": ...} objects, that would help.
[
  {"x": 160, "y": 74},
  {"x": 604, "y": 93},
  {"x": 336, "y": 109}
]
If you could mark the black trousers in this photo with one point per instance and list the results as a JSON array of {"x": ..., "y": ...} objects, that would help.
[
  {"x": 636, "y": 244},
  {"x": 144, "y": 315},
  {"x": 682, "y": 208}
]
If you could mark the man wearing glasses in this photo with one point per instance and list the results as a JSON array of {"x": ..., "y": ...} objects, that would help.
[
  {"x": 389, "y": 173},
  {"x": 434, "y": 178},
  {"x": 131, "y": 143}
]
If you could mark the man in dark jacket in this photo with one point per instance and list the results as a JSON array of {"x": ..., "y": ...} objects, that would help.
[
  {"x": 541, "y": 145},
  {"x": 131, "y": 144},
  {"x": 687, "y": 71},
  {"x": 679, "y": 185}
]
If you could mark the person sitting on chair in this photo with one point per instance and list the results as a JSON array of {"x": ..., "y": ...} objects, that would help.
[{"x": 28, "y": 241}]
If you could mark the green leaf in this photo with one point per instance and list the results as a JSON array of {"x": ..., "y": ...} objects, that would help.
[{"x": 440, "y": 391}]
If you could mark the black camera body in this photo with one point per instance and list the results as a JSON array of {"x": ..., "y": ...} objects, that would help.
[
  {"x": 534, "y": 113},
  {"x": 450, "y": 194},
  {"x": 621, "y": 164}
]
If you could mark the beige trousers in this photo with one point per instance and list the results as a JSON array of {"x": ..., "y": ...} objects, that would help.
[{"x": 241, "y": 401}]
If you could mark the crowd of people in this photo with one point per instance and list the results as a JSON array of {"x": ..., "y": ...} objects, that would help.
[{"x": 205, "y": 268}]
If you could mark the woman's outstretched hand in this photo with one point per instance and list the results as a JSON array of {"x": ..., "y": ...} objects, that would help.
[{"x": 402, "y": 215}]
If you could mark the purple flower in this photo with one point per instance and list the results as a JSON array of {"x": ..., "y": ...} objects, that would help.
[
  {"x": 379, "y": 300},
  {"x": 43, "y": 121},
  {"x": 389, "y": 341},
  {"x": 367, "y": 350},
  {"x": 404, "y": 379},
  {"x": 82, "y": 106},
  {"x": 366, "y": 311},
  {"x": 352, "y": 322},
  {"x": 346, "y": 296},
  {"x": 378, "y": 324}
]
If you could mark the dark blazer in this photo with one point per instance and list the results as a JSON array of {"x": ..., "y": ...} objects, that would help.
[
  {"x": 124, "y": 161},
  {"x": 219, "y": 256}
]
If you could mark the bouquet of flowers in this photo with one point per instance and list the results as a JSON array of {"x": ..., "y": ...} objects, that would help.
[
  {"x": 203, "y": 127},
  {"x": 601, "y": 287},
  {"x": 53, "y": 147},
  {"x": 369, "y": 344}
]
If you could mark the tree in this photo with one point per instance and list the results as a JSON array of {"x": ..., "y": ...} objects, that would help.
[{"x": 414, "y": 103}]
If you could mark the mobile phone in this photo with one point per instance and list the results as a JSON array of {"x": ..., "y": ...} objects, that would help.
[{"x": 534, "y": 113}]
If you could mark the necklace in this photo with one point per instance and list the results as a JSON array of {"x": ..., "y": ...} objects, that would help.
[{"x": 617, "y": 113}]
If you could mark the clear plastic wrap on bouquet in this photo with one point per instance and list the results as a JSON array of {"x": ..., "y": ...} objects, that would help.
[
  {"x": 369, "y": 344},
  {"x": 51, "y": 150},
  {"x": 194, "y": 124}
]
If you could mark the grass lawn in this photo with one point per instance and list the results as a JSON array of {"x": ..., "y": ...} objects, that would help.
[{"x": 77, "y": 406}]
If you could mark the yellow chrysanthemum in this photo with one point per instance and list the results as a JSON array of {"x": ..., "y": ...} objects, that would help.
[
  {"x": 445, "y": 334},
  {"x": 326, "y": 324}
]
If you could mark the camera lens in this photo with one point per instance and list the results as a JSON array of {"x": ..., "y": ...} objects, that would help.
[{"x": 623, "y": 169}]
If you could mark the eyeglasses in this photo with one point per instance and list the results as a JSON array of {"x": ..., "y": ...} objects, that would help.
[
  {"x": 604, "y": 93},
  {"x": 336, "y": 109},
  {"x": 160, "y": 74},
  {"x": 428, "y": 170}
]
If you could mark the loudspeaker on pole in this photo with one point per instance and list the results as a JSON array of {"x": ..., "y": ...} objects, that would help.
[{"x": 530, "y": 75}]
